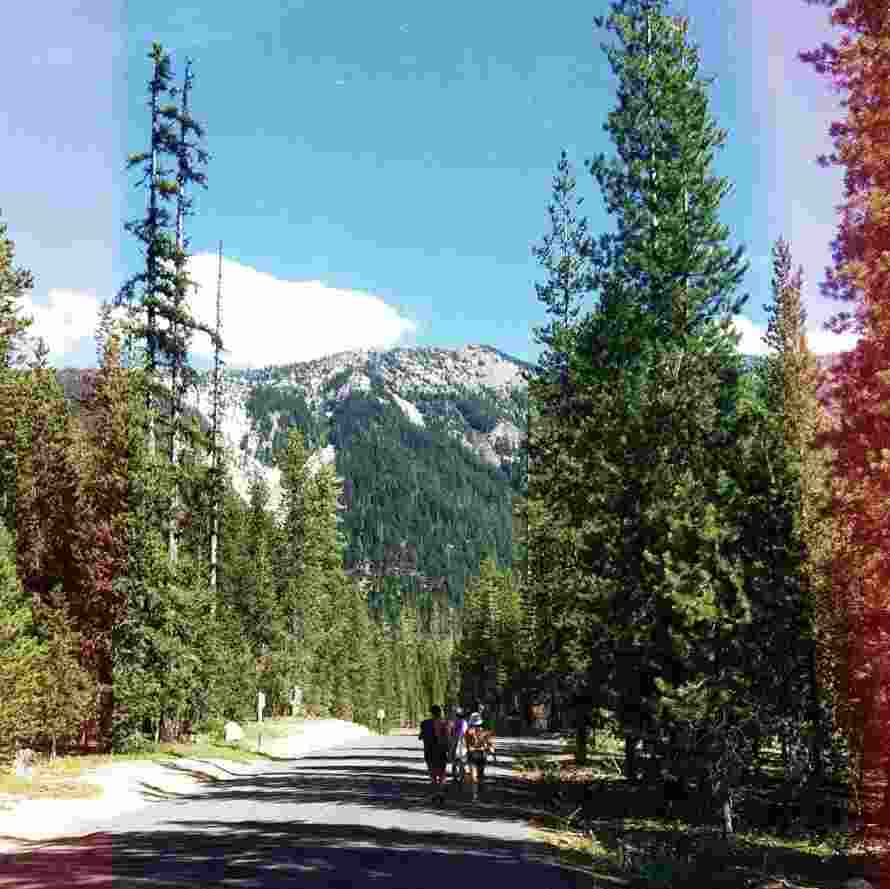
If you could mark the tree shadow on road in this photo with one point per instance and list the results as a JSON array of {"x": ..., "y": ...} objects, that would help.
[{"x": 264, "y": 854}]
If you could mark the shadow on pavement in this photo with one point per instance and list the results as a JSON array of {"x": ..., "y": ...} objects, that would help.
[
  {"x": 75, "y": 863},
  {"x": 260, "y": 854},
  {"x": 356, "y": 816}
]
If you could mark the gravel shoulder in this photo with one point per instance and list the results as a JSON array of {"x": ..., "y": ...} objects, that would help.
[{"x": 129, "y": 786}]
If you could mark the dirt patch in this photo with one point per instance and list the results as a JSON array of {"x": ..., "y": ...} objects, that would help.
[{"x": 96, "y": 794}]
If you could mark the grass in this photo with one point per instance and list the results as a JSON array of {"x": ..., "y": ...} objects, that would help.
[
  {"x": 48, "y": 781},
  {"x": 623, "y": 835},
  {"x": 282, "y": 727}
]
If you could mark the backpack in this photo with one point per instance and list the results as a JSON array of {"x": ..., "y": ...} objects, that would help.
[{"x": 475, "y": 739}]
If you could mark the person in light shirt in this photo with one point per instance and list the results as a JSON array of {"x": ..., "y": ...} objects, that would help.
[{"x": 459, "y": 727}]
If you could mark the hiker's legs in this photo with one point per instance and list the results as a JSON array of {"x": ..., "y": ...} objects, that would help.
[{"x": 473, "y": 775}]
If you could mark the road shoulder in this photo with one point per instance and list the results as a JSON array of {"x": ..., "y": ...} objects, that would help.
[{"x": 130, "y": 785}]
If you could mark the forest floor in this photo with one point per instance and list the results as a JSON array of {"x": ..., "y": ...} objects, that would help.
[{"x": 623, "y": 824}]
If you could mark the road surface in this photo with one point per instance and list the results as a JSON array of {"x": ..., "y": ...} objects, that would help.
[{"x": 354, "y": 815}]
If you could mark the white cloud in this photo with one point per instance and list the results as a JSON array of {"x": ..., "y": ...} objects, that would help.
[
  {"x": 268, "y": 320},
  {"x": 64, "y": 321},
  {"x": 823, "y": 342},
  {"x": 750, "y": 343},
  {"x": 820, "y": 342}
]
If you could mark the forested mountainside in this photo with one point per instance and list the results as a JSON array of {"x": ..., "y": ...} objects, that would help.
[{"x": 427, "y": 442}]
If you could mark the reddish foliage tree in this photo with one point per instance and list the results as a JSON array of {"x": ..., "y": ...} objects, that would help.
[
  {"x": 101, "y": 535},
  {"x": 859, "y": 67}
]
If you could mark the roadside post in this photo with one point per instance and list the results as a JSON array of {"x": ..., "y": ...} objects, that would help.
[
  {"x": 260, "y": 706},
  {"x": 296, "y": 698}
]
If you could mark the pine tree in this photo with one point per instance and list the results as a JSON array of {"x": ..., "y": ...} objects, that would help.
[
  {"x": 791, "y": 391},
  {"x": 656, "y": 365},
  {"x": 259, "y": 604},
  {"x": 564, "y": 255},
  {"x": 151, "y": 230},
  {"x": 15, "y": 282},
  {"x": 164, "y": 282},
  {"x": 102, "y": 534},
  {"x": 181, "y": 324}
]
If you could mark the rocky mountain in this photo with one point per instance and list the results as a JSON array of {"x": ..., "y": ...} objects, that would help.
[
  {"x": 475, "y": 394},
  {"x": 425, "y": 440}
]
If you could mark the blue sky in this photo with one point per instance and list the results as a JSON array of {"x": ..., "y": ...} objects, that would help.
[{"x": 379, "y": 173}]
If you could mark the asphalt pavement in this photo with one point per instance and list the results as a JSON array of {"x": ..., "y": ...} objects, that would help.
[{"x": 361, "y": 814}]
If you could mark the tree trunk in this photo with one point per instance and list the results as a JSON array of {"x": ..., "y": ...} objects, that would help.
[
  {"x": 581, "y": 736},
  {"x": 818, "y": 743},
  {"x": 726, "y": 811},
  {"x": 105, "y": 715},
  {"x": 630, "y": 757},
  {"x": 173, "y": 515},
  {"x": 755, "y": 757}
]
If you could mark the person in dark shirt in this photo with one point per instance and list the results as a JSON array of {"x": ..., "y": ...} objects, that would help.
[
  {"x": 435, "y": 736},
  {"x": 480, "y": 745}
]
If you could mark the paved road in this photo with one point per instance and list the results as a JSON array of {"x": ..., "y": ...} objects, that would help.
[{"x": 356, "y": 815}]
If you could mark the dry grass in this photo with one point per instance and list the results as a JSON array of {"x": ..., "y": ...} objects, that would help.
[
  {"x": 47, "y": 783},
  {"x": 62, "y": 778}
]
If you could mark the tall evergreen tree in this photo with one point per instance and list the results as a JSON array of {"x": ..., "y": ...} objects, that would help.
[
  {"x": 169, "y": 166},
  {"x": 657, "y": 366},
  {"x": 564, "y": 254},
  {"x": 151, "y": 230},
  {"x": 181, "y": 324}
]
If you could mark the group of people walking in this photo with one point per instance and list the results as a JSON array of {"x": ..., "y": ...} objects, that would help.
[{"x": 464, "y": 742}]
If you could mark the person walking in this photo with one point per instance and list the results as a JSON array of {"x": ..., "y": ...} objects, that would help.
[
  {"x": 480, "y": 744},
  {"x": 458, "y": 746},
  {"x": 434, "y": 734}
]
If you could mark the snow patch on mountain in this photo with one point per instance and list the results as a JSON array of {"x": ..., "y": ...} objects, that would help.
[
  {"x": 409, "y": 410},
  {"x": 506, "y": 429}
]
